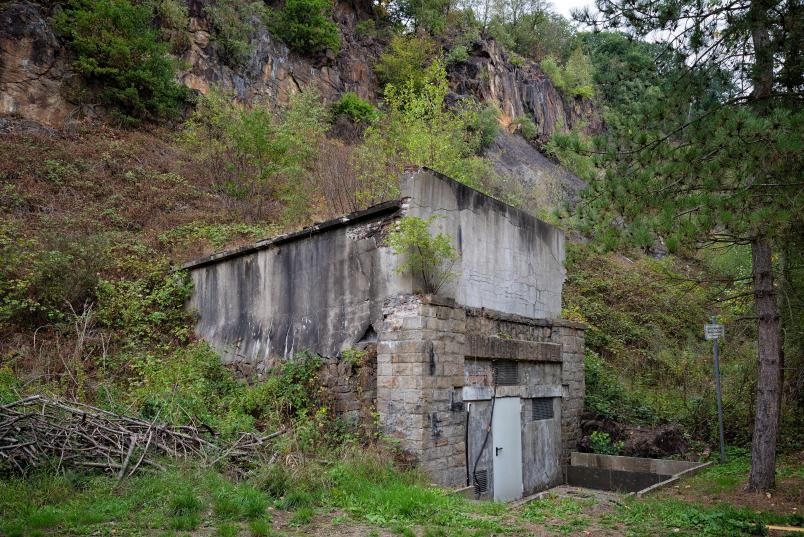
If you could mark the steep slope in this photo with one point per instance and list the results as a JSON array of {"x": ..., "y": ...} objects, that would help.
[{"x": 518, "y": 162}]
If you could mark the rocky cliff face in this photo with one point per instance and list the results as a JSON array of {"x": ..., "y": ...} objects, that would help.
[
  {"x": 489, "y": 75},
  {"x": 33, "y": 66},
  {"x": 35, "y": 77},
  {"x": 36, "y": 81}
]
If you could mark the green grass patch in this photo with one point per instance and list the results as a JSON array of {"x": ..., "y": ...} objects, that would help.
[
  {"x": 563, "y": 515},
  {"x": 373, "y": 491},
  {"x": 663, "y": 516}
]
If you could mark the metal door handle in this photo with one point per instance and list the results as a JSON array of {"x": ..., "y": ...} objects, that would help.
[{"x": 497, "y": 451}]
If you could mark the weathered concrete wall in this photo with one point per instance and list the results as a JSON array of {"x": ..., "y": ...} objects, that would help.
[
  {"x": 323, "y": 287},
  {"x": 510, "y": 260},
  {"x": 419, "y": 383},
  {"x": 322, "y": 291}
]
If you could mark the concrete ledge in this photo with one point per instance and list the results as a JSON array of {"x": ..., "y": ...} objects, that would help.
[
  {"x": 685, "y": 473},
  {"x": 631, "y": 464},
  {"x": 514, "y": 318},
  {"x": 512, "y": 349}
]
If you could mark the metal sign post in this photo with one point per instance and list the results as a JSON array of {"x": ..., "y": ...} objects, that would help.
[{"x": 714, "y": 332}]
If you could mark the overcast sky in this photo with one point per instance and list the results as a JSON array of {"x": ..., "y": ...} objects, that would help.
[{"x": 565, "y": 6}]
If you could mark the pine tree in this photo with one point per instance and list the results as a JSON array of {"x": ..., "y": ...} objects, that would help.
[{"x": 713, "y": 158}]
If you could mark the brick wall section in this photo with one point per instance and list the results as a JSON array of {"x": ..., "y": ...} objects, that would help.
[
  {"x": 567, "y": 333},
  {"x": 420, "y": 376},
  {"x": 571, "y": 337}
]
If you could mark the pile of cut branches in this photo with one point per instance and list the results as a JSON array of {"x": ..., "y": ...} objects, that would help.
[{"x": 40, "y": 430}]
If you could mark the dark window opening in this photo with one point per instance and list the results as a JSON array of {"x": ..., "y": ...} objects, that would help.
[
  {"x": 542, "y": 408},
  {"x": 506, "y": 372}
]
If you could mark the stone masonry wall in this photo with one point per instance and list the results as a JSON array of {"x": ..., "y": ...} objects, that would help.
[
  {"x": 352, "y": 387},
  {"x": 571, "y": 337},
  {"x": 420, "y": 376}
]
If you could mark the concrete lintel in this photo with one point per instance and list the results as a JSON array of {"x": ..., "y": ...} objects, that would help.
[
  {"x": 484, "y": 393},
  {"x": 512, "y": 349}
]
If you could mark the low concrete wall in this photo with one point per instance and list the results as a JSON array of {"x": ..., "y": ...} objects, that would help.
[
  {"x": 631, "y": 464},
  {"x": 626, "y": 474}
]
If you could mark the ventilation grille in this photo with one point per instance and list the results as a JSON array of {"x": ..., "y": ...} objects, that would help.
[
  {"x": 542, "y": 408},
  {"x": 506, "y": 373},
  {"x": 481, "y": 482}
]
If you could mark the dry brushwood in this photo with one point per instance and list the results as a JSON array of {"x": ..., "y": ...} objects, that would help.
[{"x": 41, "y": 430}]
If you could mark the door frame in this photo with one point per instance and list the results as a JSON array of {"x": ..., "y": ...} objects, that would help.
[{"x": 506, "y": 434}]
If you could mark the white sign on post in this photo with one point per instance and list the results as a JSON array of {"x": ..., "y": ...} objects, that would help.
[{"x": 713, "y": 331}]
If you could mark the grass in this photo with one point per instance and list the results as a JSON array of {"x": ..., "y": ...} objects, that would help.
[
  {"x": 661, "y": 516},
  {"x": 564, "y": 515},
  {"x": 365, "y": 492}
]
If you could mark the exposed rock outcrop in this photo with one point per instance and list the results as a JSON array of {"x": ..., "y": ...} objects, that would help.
[
  {"x": 35, "y": 78},
  {"x": 33, "y": 66},
  {"x": 273, "y": 72},
  {"x": 522, "y": 90}
]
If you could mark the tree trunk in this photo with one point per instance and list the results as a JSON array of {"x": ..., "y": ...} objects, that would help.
[{"x": 766, "y": 422}]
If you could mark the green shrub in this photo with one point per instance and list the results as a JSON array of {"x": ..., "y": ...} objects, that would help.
[
  {"x": 516, "y": 60},
  {"x": 406, "y": 59},
  {"x": 576, "y": 78},
  {"x": 608, "y": 397},
  {"x": 191, "y": 385},
  {"x": 233, "y": 27},
  {"x": 554, "y": 72},
  {"x": 457, "y": 54},
  {"x": 172, "y": 18},
  {"x": 366, "y": 28},
  {"x": 430, "y": 258},
  {"x": 216, "y": 235},
  {"x": 579, "y": 74},
  {"x": 259, "y": 152},
  {"x": 148, "y": 309},
  {"x": 419, "y": 129},
  {"x": 10, "y": 386},
  {"x": 486, "y": 124},
  {"x": 45, "y": 281},
  {"x": 306, "y": 26},
  {"x": 527, "y": 128},
  {"x": 118, "y": 51},
  {"x": 357, "y": 109},
  {"x": 601, "y": 442}
]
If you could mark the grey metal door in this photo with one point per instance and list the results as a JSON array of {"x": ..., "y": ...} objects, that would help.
[{"x": 506, "y": 431}]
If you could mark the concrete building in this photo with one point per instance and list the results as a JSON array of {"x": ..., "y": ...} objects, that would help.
[{"x": 482, "y": 384}]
